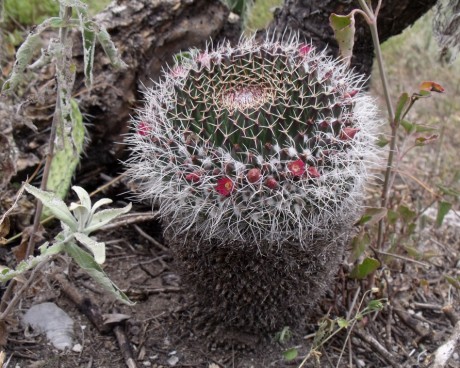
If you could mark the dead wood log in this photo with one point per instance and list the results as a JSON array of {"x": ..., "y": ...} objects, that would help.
[
  {"x": 148, "y": 33},
  {"x": 311, "y": 19}
]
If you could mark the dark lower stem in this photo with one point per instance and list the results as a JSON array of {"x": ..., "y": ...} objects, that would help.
[{"x": 49, "y": 157}]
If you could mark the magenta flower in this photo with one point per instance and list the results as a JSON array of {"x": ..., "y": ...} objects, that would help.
[
  {"x": 297, "y": 167},
  {"x": 225, "y": 186}
]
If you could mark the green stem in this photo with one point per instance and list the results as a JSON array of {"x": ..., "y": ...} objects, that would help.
[{"x": 391, "y": 114}]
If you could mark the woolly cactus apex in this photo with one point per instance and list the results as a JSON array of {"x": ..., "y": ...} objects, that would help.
[{"x": 263, "y": 142}]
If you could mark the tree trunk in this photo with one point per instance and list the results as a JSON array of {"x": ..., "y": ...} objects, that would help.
[
  {"x": 147, "y": 33},
  {"x": 311, "y": 19}
]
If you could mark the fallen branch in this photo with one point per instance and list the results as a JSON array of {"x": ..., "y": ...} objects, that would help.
[
  {"x": 125, "y": 346},
  {"x": 444, "y": 352},
  {"x": 413, "y": 324},
  {"x": 84, "y": 304},
  {"x": 103, "y": 323},
  {"x": 378, "y": 347}
]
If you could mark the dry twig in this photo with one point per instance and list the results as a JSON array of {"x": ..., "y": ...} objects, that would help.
[
  {"x": 125, "y": 346},
  {"x": 444, "y": 352},
  {"x": 378, "y": 347}
]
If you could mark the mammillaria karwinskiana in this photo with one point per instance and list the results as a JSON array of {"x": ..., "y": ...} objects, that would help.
[{"x": 261, "y": 146}]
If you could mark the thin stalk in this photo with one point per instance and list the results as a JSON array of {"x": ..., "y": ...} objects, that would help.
[
  {"x": 63, "y": 34},
  {"x": 391, "y": 115}
]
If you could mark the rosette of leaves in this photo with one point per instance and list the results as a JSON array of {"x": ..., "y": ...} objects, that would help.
[
  {"x": 78, "y": 221},
  {"x": 257, "y": 156}
]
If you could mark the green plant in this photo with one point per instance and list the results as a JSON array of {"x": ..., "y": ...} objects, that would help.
[
  {"x": 67, "y": 130},
  {"x": 328, "y": 328},
  {"x": 257, "y": 156},
  {"x": 65, "y": 143},
  {"x": 78, "y": 221}
]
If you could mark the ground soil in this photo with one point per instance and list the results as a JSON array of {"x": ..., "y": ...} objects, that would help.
[{"x": 160, "y": 329}]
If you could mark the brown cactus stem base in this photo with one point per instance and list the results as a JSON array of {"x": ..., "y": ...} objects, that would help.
[{"x": 256, "y": 289}]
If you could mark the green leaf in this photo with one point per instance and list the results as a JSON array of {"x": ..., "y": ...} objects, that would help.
[
  {"x": 416, "y": 127},
  {"x": 88, "y": 33},
  {"x": 402, "y": 104},
  {"x": 406, "y": 213},
  {"x": 7, "y": 274},
  {"x": 88, "y": 264},
  {"x": 408, "y": 127},
  {"x": 449, "y": 191},
  {"x": 67, "y": 154},
  {"x": 97, "y": 248},
  {"x": 375, "y": 305},
  {"x": 443, "y": 209},
  {"x": 83, "y": 196},
  {"x": 372, "y": 215},
  {"x": 382, "y": 141},
  {"x": 56, "y": 206},
  {"x": 364, "y": 269},
  {"x": 359, "y": 244},
  {"x": 23, "y": 57},
  {"x": 103, "y": 217},
  {"x": 455, "y": 282},
  {"x": 342, "y": 322},
  {"x": 99, "y": 203},
  {"x": 411, "y": 228},
  {"x": 423, "y": 141},
  {"x": 110, "y": 49},
  {"x": 344, "y": 32},
  {"x": 290, "y": 354},
  {"x": 392, "y": 217}
]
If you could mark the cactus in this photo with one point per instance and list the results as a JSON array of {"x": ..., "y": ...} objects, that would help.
[{"x": 251, "y": 151}]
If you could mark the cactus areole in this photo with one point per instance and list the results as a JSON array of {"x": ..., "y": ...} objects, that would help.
[{"x": 261, "y": 142}]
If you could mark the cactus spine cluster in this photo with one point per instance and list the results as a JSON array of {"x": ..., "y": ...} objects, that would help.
[{"x": 258, "y": 145}]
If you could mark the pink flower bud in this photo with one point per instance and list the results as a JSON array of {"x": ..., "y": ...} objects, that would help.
[
  {"x": 348, "y": 133},
  {"x": 351, "y": 94},
  {"x": 143, "y": 128},
  {"x": 305, "y": 49},
  {"x": 193, "y": 177},
  {"x": 254, "y": 175},
  {"x": 313, "y": 172},
  {"x": 271, "y": 183}
]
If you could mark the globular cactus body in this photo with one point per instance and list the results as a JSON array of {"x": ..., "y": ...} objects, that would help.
[{"x": 257, "y": 147}]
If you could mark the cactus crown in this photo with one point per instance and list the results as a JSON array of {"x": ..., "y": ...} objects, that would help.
[{"x": 263, "y": 141}]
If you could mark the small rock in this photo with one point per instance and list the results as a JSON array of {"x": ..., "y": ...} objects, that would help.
[
  {"x": 233, "y": 18},
  {"x": 173, "y": 360}
]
